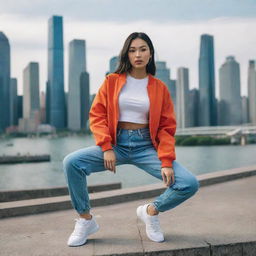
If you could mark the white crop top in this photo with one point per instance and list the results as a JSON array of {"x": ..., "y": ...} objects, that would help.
[{"x": 133, "y": 101}]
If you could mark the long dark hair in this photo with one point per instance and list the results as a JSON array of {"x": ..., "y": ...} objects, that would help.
[{"x": 124, "y": 64}]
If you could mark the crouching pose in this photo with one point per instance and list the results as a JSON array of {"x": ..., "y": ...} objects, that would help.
[{"x": 133, "y": 122}]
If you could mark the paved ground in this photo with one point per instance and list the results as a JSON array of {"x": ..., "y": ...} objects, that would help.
[{"x": 218, "y": 214}]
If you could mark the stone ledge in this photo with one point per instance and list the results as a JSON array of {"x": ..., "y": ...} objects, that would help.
[
  {"x": 34, "y": 206},
  {"x": 15, "y": 195},
  {"x": 234, "y": 249}
]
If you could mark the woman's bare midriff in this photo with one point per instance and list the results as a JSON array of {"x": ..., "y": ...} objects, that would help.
[{"x": 131, "y": 126}]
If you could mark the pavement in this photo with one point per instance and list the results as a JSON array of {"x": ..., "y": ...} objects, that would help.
[{"x": 220, "y": 219}]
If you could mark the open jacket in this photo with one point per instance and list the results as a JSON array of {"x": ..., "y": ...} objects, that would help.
[{"x": 104, "y": 115}]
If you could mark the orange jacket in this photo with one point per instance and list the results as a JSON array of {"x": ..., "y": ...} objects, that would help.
[{"x": 104, "y": 114}]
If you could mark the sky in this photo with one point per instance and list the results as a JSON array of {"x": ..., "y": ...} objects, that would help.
[{"x": 174, "y": 26}]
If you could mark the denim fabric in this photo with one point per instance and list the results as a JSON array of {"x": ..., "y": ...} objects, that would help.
[{"x": 133, "y": 147}]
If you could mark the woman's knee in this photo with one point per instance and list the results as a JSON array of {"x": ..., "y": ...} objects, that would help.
[
  {"x": 193, "y": 184},
  {"x": 69, "y": 162}
]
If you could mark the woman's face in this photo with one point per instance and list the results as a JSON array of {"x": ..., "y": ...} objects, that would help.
[{"x": 139, "y": 53}]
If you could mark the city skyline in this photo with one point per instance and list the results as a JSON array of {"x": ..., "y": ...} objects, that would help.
[{"x": 180, "y": 50}]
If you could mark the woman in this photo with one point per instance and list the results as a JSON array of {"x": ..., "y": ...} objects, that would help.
[{"x": 133, "y": 122}]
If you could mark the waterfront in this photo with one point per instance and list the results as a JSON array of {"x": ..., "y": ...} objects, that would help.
[{"x": 198, "y": 159}]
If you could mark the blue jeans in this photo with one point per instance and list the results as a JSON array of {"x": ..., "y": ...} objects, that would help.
[{"x": 133, "y": 147}]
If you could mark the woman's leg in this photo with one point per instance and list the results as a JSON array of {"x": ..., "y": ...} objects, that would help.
[
  {"x": 77, "y": 166},
  {"x": 185, "y": 185}
]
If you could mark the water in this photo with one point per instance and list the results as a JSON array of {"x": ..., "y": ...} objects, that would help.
[{"x": 198, "y": 159}]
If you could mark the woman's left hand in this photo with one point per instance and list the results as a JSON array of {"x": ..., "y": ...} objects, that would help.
[{"x": 168, "y": 176}]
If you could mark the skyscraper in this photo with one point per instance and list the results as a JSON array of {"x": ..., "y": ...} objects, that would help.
[
  {"x": 193, "y": 108},
  {"x": 208, "y": 108},
  {"x": 85, "y": 100},
  {"x": 245, "y": 110},
  {"x": 55, "y": 84},
  {"x": 20, "y": 106},
  {"x": 252, "y": 91},
  {"x": 182, "y": 99},
  {"x": 13, "y": 102},
  {"x": 76, "y": 68},
  {"x": 230, "y": 111},
  {"x": 4, "y": 82},
  {"x": 173, "y": 93},
  {"x": 31, "y": 102},
  {"x": 113, "y": 63},
  {"x": 42, "y": 108},
  {"x": 163, "y": 73}
]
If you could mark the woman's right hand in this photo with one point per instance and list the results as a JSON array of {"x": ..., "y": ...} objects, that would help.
[{"x": 110, "y": 160}]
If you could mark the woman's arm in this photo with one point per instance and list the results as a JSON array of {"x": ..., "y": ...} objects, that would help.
[
  {"x": 98, "y": 118},
  {"x": 166, "y": 131}
]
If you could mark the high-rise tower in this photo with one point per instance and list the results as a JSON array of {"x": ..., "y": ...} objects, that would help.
[
  {"x": 76, "y": 68},
  {"x": 5, "y": 117},
  {"x": 182, "y": 99},
  {"x": 252, "y": 91},
  {"x": 208, "y": 108},
  {"x": 55, "y": 85},
  {"x": 230, "y": 97}
]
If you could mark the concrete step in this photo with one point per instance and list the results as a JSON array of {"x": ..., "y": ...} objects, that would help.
[
  {"x": 218, "y": 220},
  {"x": 15, "y": 195},
  {"x": 33, "y": 206}
]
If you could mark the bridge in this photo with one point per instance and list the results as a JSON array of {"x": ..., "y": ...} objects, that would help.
[{"x": 238, "y": 133}]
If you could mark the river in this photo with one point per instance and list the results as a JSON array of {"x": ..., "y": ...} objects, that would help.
[{"x": 198, "y": 159}]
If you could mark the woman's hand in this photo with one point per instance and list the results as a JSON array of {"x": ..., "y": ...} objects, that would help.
[
  {"x": 168, "y": 176},
  {"x": 110, "y": 160}
]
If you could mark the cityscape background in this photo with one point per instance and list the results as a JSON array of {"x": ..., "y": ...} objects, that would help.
[
  {"x": 54, "y": 57},
  {"x": 58, "y": 88}
]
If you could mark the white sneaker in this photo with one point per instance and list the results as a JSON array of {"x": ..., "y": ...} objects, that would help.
[
  {"x": 83, "y": 229},
  {"x": 153, "y": 229}
]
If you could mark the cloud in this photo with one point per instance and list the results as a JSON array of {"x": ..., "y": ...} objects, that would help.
[
  {"x": 177, "y": 43},
  {"x": 126, "y": 11}
]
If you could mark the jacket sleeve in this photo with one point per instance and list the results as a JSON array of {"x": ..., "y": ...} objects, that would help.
[
  {"x": 166, "y": 131},
  {"x": 98, "y": 118}
]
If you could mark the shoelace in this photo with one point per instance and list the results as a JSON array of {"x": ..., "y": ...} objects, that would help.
[{"x": 155, "y": 225}]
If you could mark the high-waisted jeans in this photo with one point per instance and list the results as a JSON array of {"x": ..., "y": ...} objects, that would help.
[{"x": 133, "y": 147}]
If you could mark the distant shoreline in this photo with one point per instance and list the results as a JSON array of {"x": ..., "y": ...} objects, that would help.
[
  {"x": 13, "y": 159},
  {"x": 181, "y": 140}
]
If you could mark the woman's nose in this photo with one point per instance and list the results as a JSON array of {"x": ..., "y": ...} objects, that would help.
[{"x": 137, "y": 53}]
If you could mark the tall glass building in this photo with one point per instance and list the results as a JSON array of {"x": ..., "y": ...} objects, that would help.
[
  {"x": 230, "y": 97},
  {"x": 4, "y": 82},
  {"x": 113, "y": 63},
  {"x": 182, "y": 97},
  {"x": 252, "y": 91},
  {"x": 85, "y": 100},
  {"x": 55, "y": 85},
  {"x": 75, "y": 70},
  {"x": 208, "y": 108},
  {"x": 164, "y": 74},
  {"x": 13, "y": 102},
  {"x": 31, "y": 101}
]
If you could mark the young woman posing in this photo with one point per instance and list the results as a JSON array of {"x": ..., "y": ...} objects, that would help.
[{"x": 133, "y": 122}]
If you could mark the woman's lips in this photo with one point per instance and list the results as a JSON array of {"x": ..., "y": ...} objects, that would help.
[{"x": 138, "y": 61}]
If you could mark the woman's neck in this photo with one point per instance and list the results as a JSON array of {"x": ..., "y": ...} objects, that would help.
[{"x": 139, "y": 74}]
